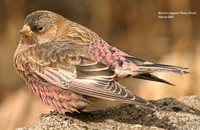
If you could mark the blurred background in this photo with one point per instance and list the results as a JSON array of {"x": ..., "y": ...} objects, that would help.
[{"x": 131, "y": 25}]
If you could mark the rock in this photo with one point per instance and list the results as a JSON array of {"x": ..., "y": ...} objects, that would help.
[{"x": 177, "y": 114}]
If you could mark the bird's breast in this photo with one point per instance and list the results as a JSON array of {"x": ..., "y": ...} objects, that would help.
[{"x": 58, "y": 98}]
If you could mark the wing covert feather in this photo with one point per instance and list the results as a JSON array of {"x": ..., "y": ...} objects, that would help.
[{"x": 74, "y": 71}]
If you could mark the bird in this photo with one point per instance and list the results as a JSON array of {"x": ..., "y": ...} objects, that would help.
[{"x": 68, "y": 66}]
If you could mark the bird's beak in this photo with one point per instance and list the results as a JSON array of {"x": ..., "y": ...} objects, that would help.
[{"x": 26, "y": 31}]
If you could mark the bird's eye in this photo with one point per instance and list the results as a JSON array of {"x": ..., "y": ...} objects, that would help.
[{"x": 40, "y": 29}]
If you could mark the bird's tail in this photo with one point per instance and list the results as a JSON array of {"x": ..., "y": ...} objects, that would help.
[
  {"x": 150, "y": 77},
  {"x": 146, "y": 68},
  {"x": 160, "y": 67}
]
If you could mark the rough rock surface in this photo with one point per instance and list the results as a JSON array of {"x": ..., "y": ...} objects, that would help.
[{"x": 177, "y": 114}]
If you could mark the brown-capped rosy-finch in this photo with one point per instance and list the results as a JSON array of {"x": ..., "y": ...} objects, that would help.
[{"x": 67, "y": 65}]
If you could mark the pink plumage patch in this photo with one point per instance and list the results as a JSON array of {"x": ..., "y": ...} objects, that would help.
[
  {"x": 106, "y": 54},
  {"x": 102, "y": 52},
  {"x": 63, "y": 101}
]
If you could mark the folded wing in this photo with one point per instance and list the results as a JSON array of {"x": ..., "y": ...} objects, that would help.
[{"x": 81, "y": 75}]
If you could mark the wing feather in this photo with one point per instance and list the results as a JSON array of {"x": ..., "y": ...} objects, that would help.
[{"x": 81, "y": 75}]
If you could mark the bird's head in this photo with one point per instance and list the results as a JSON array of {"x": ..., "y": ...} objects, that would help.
[{"x": 42, "y": 25}]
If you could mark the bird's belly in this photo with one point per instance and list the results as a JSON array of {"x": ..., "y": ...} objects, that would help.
[{"x": 58, "y": 98}]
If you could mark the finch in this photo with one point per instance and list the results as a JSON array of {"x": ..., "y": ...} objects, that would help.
[{"x": 67, "y": 65}]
